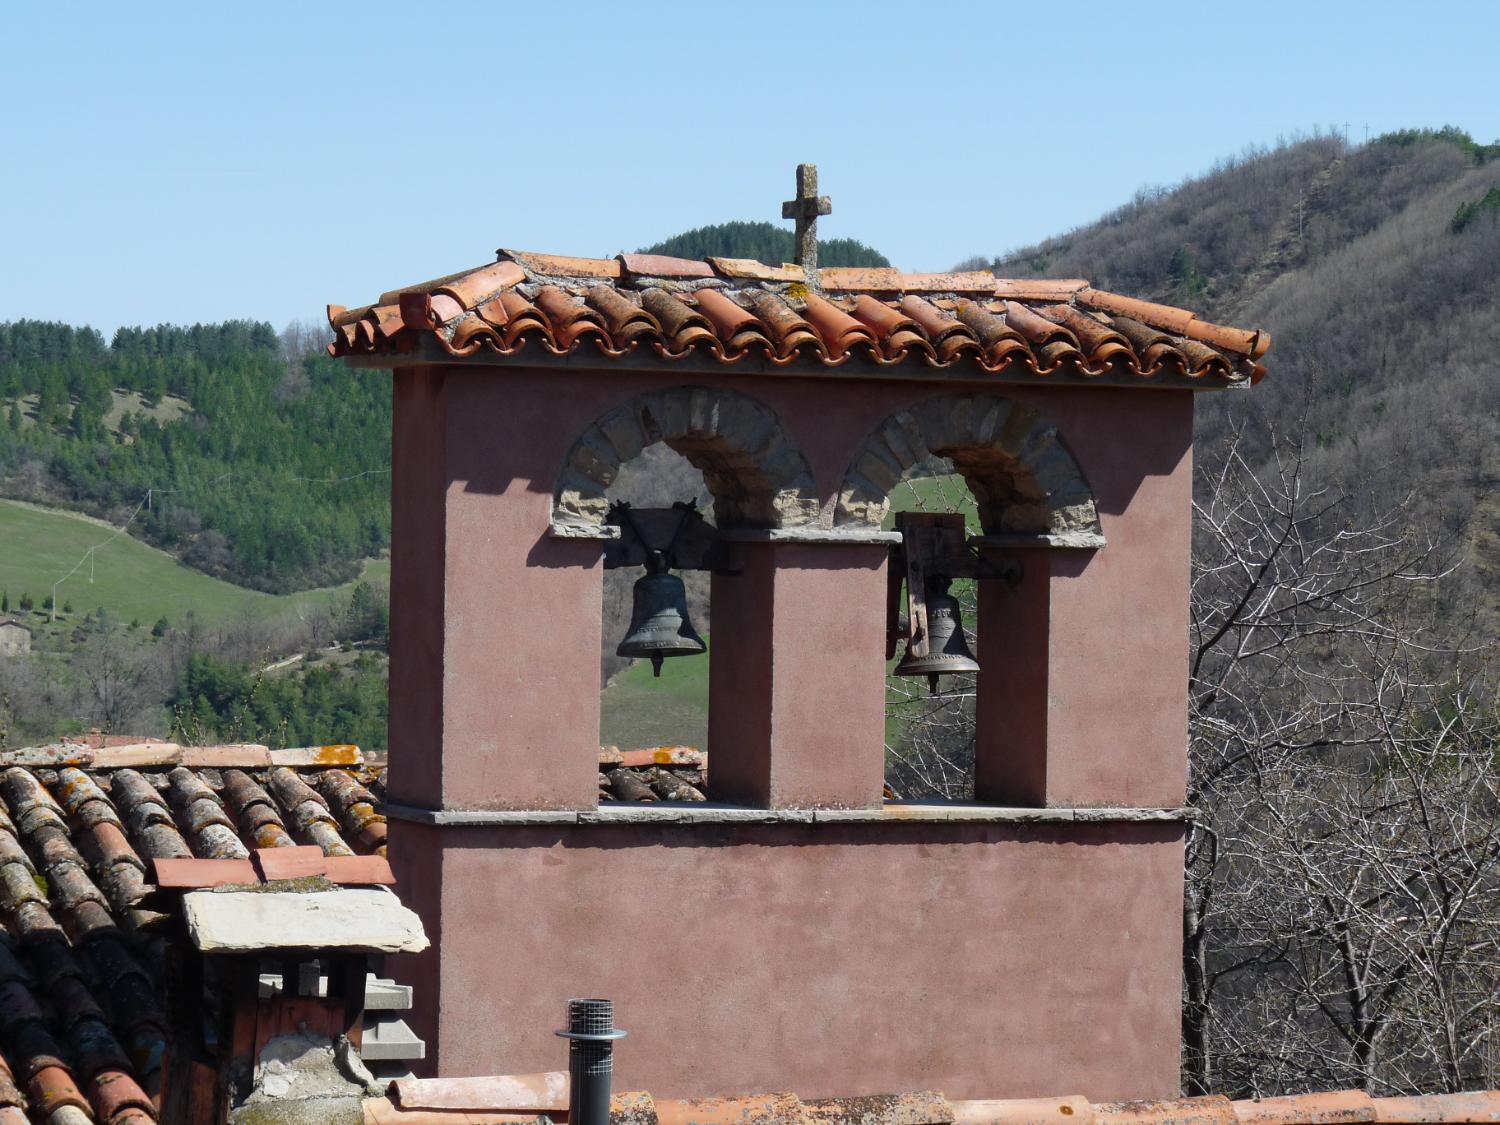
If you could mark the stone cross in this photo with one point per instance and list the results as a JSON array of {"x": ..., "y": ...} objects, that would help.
[{"x": 805, "y": 209}]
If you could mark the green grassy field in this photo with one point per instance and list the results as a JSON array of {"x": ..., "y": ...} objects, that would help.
[
  {"x": 129, "y": 579},
  {"x": 638, "y": 710}
]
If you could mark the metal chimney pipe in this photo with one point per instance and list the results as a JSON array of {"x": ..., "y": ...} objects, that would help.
[{"x": 591, "y": 1033}]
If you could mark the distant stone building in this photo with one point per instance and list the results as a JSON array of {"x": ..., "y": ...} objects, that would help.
[{"x": 15, "y": 638}]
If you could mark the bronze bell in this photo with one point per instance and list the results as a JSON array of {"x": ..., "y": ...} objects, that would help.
[
  {"x": 659, "y": 625},
  {"x": 947, "y": 650}
]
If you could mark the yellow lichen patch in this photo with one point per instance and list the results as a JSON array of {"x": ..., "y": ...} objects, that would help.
[{"x": 343, "y": 754}]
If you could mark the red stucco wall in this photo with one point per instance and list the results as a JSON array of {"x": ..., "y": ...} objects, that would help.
[
  {"x": 979, "y": 960},
  {"x": 983, "y": 960},
  {"x": 520, "y": 611}
]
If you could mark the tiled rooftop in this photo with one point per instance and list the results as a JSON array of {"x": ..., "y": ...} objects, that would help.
[
  {"x": 725, "y": 310},
  {"x": 82, "y": 954},
  {"x": 667, "y": 773}
]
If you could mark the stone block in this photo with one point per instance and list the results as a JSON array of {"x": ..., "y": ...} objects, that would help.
[
  {"x": 879, "y": 467},
  {"x": 364, "y": 920},
  {"x": 904, "y": 438},
  {"x": 702, "y": 412},
  {"x": 1036, "y": 443},
  {"x": 623, "y": 430},
  {"x": 1016, "y": 430},
  {"x": 390, "y": 1039},
  {"x": 991, "y": 416},
  {"x": 594, "y": 457},
  {"x": 1055, "y": 469}
]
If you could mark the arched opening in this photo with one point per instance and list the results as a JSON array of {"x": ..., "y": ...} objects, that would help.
[
  {"x": 754, "y": 469},
  {"x": 1000, "y": 464},
  {"x": 637, "y": 709},
  {"x": 729, "y": 456},
  {"x": 1024, "y": 480},
  {"x": 929, "y": 738}
]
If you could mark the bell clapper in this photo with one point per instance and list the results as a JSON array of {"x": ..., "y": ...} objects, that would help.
[
  {"x": 656, "y": 666},
  {"x": 932, "y": 679}
]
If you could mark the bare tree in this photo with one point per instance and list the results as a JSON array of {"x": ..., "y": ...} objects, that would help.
[
  {"x": 118, "y": 685},
  {"x": 929, "y": 749},
  {"x": 1343, "y": 873}
]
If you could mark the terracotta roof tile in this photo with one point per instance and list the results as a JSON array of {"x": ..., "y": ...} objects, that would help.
[
  {"x": 748, "y": 269},
  {"x": 1148, "y": 312},
  {"x": 1341, "y": 1107},
  {"x": 464, "y": 1101},
  {"x": 1213, "y": 1110},
  {"x": 660, "y": 265},
  {"x": 855, "y": 279},
  {"x": 838, "y": 331},
  {"x": 1039, "y": 289},
  {"x": 979, "y": 283},
  {"x": 682, "y": 327},
  {"x": 898, "y": 333},
  {"x": 1433, "y": 1109},
  {"x": 726, "y": 309},
  {"x": 677, "y": 773},
  {"x": 558, "y": 265}
]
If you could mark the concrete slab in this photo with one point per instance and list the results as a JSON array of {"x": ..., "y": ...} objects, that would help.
[
  {"x": 390, "y": 1040},
  {"x": 357, "y": 919}
]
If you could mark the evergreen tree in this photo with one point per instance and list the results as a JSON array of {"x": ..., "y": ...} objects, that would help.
[{"x": 764, "y": 242}]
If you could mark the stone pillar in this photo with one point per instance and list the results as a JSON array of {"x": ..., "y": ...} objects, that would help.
[
  {"x": 495, "y": 624},
  {"x": 1011, "y": 711},
  {"x": 797, "y": 683},
  {"x": 1083, "y": 682}
]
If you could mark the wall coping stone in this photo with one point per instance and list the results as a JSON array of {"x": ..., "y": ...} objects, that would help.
[
  {"x": 1074, "y": 540},
  {"x": 712, "y": 813},
  {"x": 560, "y": 530},
  {"x": 832, "y": 536}
]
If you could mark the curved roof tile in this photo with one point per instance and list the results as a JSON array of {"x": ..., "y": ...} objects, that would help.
[{"x": 725, "y": 309}]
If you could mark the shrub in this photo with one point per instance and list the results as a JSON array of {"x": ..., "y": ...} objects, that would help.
[{"x": 1488, "y": 206}]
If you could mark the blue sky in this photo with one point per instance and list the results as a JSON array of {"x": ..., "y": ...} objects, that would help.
[{"x": 182, "y": 162}]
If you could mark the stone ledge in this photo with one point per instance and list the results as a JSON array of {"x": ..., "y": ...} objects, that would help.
[
  {"x": 709, "y": 813},
  {"x": 444, "y": 818},
  {"x": 861, "y": 537},
  {"x": 559, "y": 529},
  {"x": 1073, "y": 540}
]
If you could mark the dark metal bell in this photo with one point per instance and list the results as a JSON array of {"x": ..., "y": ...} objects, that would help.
[
  {"x": 659, "y": 625},
  {"x": 947, "y": 650}
]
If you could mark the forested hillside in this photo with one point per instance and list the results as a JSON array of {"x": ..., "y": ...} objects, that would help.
[
  {"x": 265, "y": 462},
  {"x": 1377, "y": 272},
  {"x": 764, "y": 242}
]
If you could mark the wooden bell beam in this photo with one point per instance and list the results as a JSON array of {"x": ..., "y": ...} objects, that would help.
[{"x": 932, "y": 543}]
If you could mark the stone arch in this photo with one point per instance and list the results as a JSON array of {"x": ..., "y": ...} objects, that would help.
[
  {"x": 1023, "y": 478},
  {"x": 757, "y": 473}
]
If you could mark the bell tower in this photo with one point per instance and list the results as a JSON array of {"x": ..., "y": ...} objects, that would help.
[{"x": 1023, "y": 942}]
